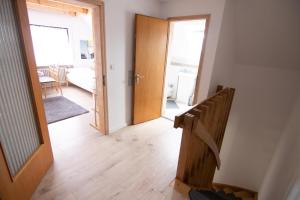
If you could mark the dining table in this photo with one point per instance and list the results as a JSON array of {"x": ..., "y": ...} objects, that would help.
[{"x": 45, "y": 81}]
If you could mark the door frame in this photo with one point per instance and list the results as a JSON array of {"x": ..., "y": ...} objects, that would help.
[
  {"x": 23, "y": 184},
  {"x": 202, "y": 55},
  {"x": 98, "y": 16}
]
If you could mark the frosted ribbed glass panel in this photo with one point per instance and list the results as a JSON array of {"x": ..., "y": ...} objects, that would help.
[{"x": 18, "y": 129}]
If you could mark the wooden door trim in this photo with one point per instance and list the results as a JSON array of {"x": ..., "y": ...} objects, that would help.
[
  {"x": 84, "y": 3},
  {"x": 104, "y": 63},
  {"x": 142, "y": 15},
  {"x": 100, "y": 50},
  {"x": 189, "y": 18},
  {"x": 165, "y": 67},
  {"x": 200, "y": 67},
  {"x": 100, "y": 61}
]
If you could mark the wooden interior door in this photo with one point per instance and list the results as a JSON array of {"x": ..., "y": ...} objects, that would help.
[
  {"x": 100, "y": 111},
  {"x": 149, "y": 71},
  {"x": 25, "y": 149}
]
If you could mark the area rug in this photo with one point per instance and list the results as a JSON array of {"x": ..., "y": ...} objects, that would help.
[{"x": 60, "y": 108}]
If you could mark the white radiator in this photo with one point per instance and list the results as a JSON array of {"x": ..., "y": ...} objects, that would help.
[{"x": 185, "y": 87}]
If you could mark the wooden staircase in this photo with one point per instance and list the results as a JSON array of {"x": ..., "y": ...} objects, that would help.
[
  {"x": 203, "y": 131},
  {"x": 229, "y": 191},
  {"x": 241, "y": 193}
]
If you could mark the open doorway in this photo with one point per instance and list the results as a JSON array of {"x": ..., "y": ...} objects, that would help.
[
  {"x": 168, "y": 63},
  {"x": 67, "y": 40},
  {"x": 183, "y": 65}
]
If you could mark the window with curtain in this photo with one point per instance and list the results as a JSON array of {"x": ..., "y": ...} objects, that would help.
[{"x": 51, "y": 45}]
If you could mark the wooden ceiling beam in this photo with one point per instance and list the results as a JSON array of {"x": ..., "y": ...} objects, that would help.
[
  {"x": 55, "y": 5},
  {"x": 83, "y": 3},
  {"x": 44, "y": 8}
]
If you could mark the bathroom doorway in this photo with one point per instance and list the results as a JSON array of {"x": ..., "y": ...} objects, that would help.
[{"x": 183, "y": 65}]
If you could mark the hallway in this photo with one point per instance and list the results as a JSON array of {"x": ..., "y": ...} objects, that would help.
[{"x": 137, "y": 162}]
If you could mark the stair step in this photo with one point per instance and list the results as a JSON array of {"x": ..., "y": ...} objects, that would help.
[
  {"x": 211, "y": 195},
  {"x": 243, "y": 194},
  {"x": 231, "y": 196},
  {"x": 228, "y": 190}
]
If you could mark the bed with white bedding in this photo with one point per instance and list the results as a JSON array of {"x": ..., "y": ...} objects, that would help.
[{"x": 83, "y": 78}]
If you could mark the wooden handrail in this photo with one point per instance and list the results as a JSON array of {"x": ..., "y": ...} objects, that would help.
[{"x": 203, "y": 132}]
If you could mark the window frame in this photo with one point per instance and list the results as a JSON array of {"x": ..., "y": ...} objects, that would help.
[{"x": 55, "y": 27}]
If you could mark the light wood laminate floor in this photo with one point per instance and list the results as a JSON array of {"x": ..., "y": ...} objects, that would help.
[{"x": 137, "y": 162}]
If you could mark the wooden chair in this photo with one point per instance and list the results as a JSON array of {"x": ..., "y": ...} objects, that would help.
[{"x": 54, "y": 73}]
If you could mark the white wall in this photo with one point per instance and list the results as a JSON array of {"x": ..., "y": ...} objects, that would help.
[
  {"x": 270, "y": 37},
  {"x": 120, "y": 33},
  {"x": 120, "y": 51},
  {"x": 256, "y": 50},
  {"x": 256, "y": 54},
  {"x": 177, "y": 8},
  {"x": 265, "y": 73},
  {"x": 79, "y": 27},
  {"x": 261, "y": 107},
  {"x": 226, "y": 51},
  {"x": 283, "y": 176}
]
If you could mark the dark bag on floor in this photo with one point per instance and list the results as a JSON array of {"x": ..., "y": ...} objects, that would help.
[{"x": 210, "y": 195}]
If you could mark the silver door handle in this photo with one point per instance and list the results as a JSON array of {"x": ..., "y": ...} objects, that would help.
[{"x": 137, "y": 78}]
